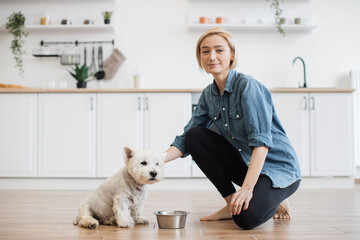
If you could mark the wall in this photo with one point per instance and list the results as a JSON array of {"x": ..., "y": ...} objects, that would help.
[{"x": 155, "y": 35}]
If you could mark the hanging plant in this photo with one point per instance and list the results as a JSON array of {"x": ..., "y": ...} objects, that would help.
[
  {"x": 278, "y": 11},
  {"x": 15, "y": 26}
]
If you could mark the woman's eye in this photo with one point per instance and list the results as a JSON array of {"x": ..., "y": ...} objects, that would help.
[
  {"x": 205, "y": 52},
  {"x": 220, "y": 50},
  {"x": 143, "y": 163}
]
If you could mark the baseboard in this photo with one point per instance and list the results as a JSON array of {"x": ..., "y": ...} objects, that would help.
[{"x": 166, "y": 184}]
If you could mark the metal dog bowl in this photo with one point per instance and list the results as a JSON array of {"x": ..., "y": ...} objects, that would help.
[{"x": 171, "y": 219}]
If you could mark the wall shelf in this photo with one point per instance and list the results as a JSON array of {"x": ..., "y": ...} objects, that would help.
[
  {"x": 38, "y": 28},
  {"x": 253, "y": 27}
]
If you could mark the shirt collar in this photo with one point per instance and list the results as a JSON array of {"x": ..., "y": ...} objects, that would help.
[{"x": 228, "y": 84}]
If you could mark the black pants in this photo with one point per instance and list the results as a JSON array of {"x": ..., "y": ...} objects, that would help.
[{"x": 220, "y": 162}]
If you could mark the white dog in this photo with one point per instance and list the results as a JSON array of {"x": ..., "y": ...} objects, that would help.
[{"x": 119, "y": 200}]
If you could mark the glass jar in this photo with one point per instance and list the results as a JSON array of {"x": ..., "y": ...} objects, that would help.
[{"x": 45, "y": 18}]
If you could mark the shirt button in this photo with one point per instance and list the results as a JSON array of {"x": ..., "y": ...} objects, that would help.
[
  {"x": 239, "y": 149},
  {"x": 223, "y": 109},
  {"x": 232, "y": 138},
  {"x": 225, "y": 124},
  {"x": 237, "y": 116},
  {"x": 215, "y": 118}
]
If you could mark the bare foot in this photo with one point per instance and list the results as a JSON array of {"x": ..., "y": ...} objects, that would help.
[
  {"x": 219, "y": 215},
  {"x": 283, "y": 210}
]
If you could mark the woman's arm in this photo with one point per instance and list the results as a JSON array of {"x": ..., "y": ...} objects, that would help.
[
  {"x": 172, "y": 154},
  {"x": 244, "y": 195}
]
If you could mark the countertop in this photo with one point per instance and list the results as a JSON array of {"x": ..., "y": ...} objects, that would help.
[{"x": 188, "y": 90}]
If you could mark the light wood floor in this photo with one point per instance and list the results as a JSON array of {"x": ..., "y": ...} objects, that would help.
[{"x": 317, "y": 214}]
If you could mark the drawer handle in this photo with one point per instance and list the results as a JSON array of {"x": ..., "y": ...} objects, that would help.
[
  {"x": 139, "y": 103},
  {"x": 304, "y": 103},
  {"x": 312, "y": 103}
]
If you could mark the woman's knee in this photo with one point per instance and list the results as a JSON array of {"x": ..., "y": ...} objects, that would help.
[
  {"x": 249, "y": 219},
  {"x": 194, "y": 134}
]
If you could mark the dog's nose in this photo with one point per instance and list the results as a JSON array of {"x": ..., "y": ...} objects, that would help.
[{"x": 153, "y": 174}]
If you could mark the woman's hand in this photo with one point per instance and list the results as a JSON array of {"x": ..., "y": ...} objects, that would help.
[{"x": 240, "y": 198}]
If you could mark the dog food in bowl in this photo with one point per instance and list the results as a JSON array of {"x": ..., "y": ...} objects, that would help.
[{"x": 171, "y": 219}]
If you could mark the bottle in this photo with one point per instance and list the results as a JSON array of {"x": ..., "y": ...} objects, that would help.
[{"x": 138, "y": 78}]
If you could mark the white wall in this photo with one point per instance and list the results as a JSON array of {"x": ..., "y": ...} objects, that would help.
[{"x": 154, "y": 34}]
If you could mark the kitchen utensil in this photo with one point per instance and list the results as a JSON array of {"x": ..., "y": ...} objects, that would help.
[
  {"x": 92, "y": 67},
  {"x": 100, "y": 74},
  {"x": 171, "y": 219},
  {"x": 85, "y": 52}
]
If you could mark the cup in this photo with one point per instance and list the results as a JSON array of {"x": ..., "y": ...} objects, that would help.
[
  {"x": 261, "y": 21},
  {"x": 222, "y": 20},
  {"x": 52, "y": 85},
  {"x": 63, "y": 85},
  {"x": 300, "y": 20},
  {"x": 245, "y": 21},
  {"x": 284, "y": 20},
  {"x": 204, "y": 20}
]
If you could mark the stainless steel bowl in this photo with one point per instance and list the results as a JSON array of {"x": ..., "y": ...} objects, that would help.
[{"x": 171, "y": 219}]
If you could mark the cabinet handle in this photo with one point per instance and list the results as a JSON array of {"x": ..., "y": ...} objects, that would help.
[
  {"x": 146, "y": 103},
  {"x": 91, "y": 103},
  {"x": 304, "y": 103},
  {"x": 312, "y": 103},
  {"x": 139, "y": 103}
]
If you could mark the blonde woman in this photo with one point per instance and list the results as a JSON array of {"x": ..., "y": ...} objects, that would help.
[{"x": 250, "y": 149}]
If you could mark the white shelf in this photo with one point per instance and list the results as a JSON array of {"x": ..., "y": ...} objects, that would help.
[
  {"x": 36, "y": 28},
  {"x": 253, "y": 27}
]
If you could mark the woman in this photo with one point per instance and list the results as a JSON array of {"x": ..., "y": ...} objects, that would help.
[{"x": 251, "y": 149}]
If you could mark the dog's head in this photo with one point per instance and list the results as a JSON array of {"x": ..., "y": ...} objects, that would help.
[{"x": 145, "y": 166}]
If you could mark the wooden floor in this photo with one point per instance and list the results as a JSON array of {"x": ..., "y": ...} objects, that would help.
[{"x": 317, "y": 214}]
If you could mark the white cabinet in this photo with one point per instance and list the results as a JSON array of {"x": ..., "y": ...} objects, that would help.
[
  {"x": 140, "y": 120},
  {"x": 66, "y": 146},
  {"x": 18, "y": 123},
  {"x": 320, "y": 128}
]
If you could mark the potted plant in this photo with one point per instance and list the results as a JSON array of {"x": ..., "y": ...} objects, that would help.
[
  {"x": 82, "y": 75},
  {"x": 107, "y": 16},
  {"x": 15, "y": 26},
  {"x": 275, "y": 4}
]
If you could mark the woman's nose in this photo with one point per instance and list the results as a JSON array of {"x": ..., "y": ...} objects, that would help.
[{"x": 212, "y": 55}]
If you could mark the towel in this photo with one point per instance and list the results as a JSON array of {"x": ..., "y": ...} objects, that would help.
[{"x": 112, "y": 64}]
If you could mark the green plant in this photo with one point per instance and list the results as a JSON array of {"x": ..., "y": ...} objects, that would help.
[
  {"x": 15, "y": 26},
  {"x": 81, "y": 74},
  {"x": 107, "y": 14},
  {"x": 278, "y": 11}
]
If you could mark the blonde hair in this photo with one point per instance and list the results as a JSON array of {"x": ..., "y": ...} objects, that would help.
[{"x": 220, "y": 32}]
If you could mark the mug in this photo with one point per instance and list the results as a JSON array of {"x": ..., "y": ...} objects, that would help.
[
  {"x": 300, "y": 20},
  {"x": 222, "y": 20},
  {"x": 205, "y": 20},
  {"x": 245, "y": 20},
  {"x": 261, "y": 21}
]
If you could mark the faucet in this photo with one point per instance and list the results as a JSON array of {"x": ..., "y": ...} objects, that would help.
[{"x": 305, "y": 84}]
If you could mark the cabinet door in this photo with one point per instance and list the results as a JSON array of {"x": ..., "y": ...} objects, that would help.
[
  {"x": 166, "y": 114},
  {"x": 332, "y": 131},
  {"x": 119, "y": 124},
  {"x": 292, "y": 109},
  {"x": 66, "y": 135},
  {"x": 18, "y": 135}
]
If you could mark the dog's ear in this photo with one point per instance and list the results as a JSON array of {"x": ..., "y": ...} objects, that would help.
[{"x": 128, "y": 153}]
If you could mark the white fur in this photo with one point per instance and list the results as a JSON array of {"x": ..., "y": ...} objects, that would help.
[{"x": 119, "y": 200}]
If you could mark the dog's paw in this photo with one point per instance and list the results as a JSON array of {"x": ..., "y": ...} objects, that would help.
[
  {"x": 89, "y": 223},
  {"x": 125, "y": 223},
  {"x": 142, "y": 220}
]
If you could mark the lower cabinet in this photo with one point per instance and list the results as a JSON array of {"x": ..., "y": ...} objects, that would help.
[
  {"x": 18, "y": 132},
  {"x": 140, "y": 120},
  {"x": 320, "y": 128},
  {"x": 66, "y": 144}
]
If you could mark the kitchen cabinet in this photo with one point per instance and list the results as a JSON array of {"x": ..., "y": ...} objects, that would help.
[
  {"x": 140, "y": 120},
  {"x": 18, "y": 133},
  {"x": 320, "y": 128},
  {"x": 66, "y": 146}
]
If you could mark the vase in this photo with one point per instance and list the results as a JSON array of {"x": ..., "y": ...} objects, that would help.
[
  {"x": 81, "y": 85},
  {"x": 107, "y": 21}
]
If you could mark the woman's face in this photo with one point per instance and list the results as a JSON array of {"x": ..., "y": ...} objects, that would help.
[{"x": 215, "y": 54}]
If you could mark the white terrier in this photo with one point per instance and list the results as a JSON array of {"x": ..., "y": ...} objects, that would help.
[{"x": 119, "y": 200}]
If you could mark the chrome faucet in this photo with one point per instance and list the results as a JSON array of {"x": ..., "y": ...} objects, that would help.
[{"x": 305, "y": 84}]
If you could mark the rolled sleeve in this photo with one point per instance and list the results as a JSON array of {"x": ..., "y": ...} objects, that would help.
[{"x": 257, "y": 110}]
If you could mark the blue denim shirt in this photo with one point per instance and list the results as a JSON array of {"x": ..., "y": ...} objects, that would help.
[{"x": 245, "y": 116}]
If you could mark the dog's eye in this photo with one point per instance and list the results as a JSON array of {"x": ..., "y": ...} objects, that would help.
[
  {"x": 157, "y": 164},
  {"x": 143, "y": 163}
]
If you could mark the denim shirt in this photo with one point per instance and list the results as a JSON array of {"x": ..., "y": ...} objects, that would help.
[{"x": 245, "y": 116}]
